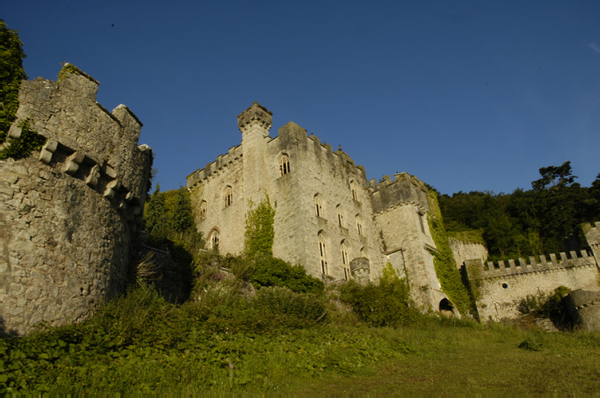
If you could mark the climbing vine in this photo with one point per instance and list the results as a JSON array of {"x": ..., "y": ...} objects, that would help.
[
  {"x": 445, "y": 265},
  {"x": 260, "y": 232}
]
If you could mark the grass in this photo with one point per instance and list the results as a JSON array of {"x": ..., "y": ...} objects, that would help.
[{"x": 142, "y": 344}]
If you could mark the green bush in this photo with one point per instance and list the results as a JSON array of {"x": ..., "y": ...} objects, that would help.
[
  {"x": 271, "y": 271},
  {"x": 386, "y": 304}
]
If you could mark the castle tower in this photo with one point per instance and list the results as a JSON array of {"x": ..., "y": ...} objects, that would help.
[{"x": 255, "y": 123}]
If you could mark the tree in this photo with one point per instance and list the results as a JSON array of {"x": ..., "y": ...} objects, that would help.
[
  {"x": 11, "y": 74},
  {"x": 156, "y": 219},
  {"x": 183, "y": 220},
  {"x": 559, "y": 177}
]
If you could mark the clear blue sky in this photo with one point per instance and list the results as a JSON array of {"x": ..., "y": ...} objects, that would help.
[{"x": 467, "y": 95}]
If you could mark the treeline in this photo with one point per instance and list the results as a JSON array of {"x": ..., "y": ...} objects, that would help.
[{"x": 545, "y": 219}]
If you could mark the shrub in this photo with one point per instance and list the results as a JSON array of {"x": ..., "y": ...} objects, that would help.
[
  {"x": 271, "y": 271},
  {"x": 386, "y": 304}
]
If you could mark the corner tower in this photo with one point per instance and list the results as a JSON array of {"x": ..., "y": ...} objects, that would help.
[{"x": 255, "y": 123}]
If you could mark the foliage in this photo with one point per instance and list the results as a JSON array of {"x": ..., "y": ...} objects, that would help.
[
  {"x": 279, "y": 342},
  {"x": 443, "y": 260},
  {"x": 468, "y": 236},
  {"x": 552, "y": 306},
  {"x": 11, "y": 74},
  {"x": 260, "y": 232},
  {"x": 270, "y": 271},
  {"x": 542, "y": 220},
  {"x": 182, "y": 220},
  {"x": 155, "y": 216},
  {"x": 66, "y": 70},
  {"x": 385, "y": 304},
  {"x": 19, "y": 148}
]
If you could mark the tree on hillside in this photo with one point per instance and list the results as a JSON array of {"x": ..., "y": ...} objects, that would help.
[
  {"x": 183, "y": 220},
  {"x": 11, "y": 74},
  {"x": 156, "y": 219}
]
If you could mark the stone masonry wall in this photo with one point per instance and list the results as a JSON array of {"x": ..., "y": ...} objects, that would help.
[
  {"x": 503, "y": 286},
  {"x": 68, "y": 213},
  {"x": 314, "y": 169},
  {"x": 467, "y": 251},
  {"x": 401, "y": 209}
]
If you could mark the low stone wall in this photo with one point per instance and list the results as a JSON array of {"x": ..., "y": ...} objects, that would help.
[
  {"x": 69, "y": 212},
  {"x": 501, "y": 286}
]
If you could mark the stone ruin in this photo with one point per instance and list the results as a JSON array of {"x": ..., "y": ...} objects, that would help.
[{"x": 70, "y": 211}]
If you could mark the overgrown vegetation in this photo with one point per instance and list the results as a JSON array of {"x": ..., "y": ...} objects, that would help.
[
  {"x": 552, "y": 307},
  {"x": 445, "y": 265},
  {"x": 19, "y": 148},
  {"x": 385, "y": 304},
  {"x": 545, "y": 219},
  {"x": 278, "y": 341},
  {"x": 260, "y": 232},
  {"x": 11, "y": 74}
]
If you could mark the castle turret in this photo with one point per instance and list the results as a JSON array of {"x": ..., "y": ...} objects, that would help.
[{"x": 255, "y": 123}]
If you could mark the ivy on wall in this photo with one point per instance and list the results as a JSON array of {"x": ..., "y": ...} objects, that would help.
[
  {"x": 443, "y": 260},
  {"x": 260, "y": 231},
  {"x": 19, "y": 148}
]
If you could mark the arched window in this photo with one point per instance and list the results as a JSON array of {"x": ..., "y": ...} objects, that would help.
[
  {"x": 354, "y": 190},
  {"x": 228, "y": 197},
  {"x": 359, "y": 227},
  {"x": 319, "y": 206},
  {"x": 345, "y": 260},
  {"x": 340, "y": 215},
  {"x": 284, "y": 165},
  {"x": 323, "y": 253},
  {"x": 214, "y": 240},
  {"x": 344, "y": 250},
  {"x": 203, "y": 210}
]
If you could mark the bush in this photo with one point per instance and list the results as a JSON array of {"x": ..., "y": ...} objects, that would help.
[
  {"x": 386, "y": 304},
  {"x": 271, "y": 271}
]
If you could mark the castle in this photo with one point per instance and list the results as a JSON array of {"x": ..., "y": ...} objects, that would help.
[
  {"x": 70, "y": 211},
  {"x": 328, "y": 218}
]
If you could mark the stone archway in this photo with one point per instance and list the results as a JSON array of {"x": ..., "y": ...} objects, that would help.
[{"x": 446, "y": 308}]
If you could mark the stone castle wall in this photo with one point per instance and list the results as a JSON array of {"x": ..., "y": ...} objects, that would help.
[
  {"x": 69, "y": 211},
  {"x": 463, "y": 251},
  {"x": 504, "y": 285},
  {"x": 401, "y": 208},
  {"x": 314, "y": 169}
]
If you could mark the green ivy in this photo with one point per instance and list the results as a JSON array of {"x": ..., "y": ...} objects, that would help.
[
  {"x": 67, "y": 69},
  {"x": 260, "y": 232},
  {"x": 470, "y": 236},
  {"x": 445, "y": 265},
  {"x": 11, "y": 74},
  {"x": 19, "y": 148}
]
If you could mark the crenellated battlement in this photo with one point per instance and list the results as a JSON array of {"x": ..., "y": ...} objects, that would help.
[
  {"x": 256, "y": 115},
  {"x": 572, "y": 259},
  {"x": 405, "y": 189},
  {"x": 211, "y": 170},
  {"x": 69, "y": 213}
]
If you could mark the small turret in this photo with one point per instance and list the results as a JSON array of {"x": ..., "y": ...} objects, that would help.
[{"x": 255, "y": 116}]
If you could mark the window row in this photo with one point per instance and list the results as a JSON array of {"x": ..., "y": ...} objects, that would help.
[
  {"x": 323, "y": 256},
  {"x": 227, "y": 201},
  {"x": 319, "y": 212}
]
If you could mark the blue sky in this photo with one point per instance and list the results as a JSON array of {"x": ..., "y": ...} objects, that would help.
[{"x": 467, "y": 95}]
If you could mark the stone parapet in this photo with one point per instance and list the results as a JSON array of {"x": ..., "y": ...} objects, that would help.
[
  {"x": 213, "y": 169},
  {"x": 406, "y": 189},
  {"x": 521, "y": 266}
]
